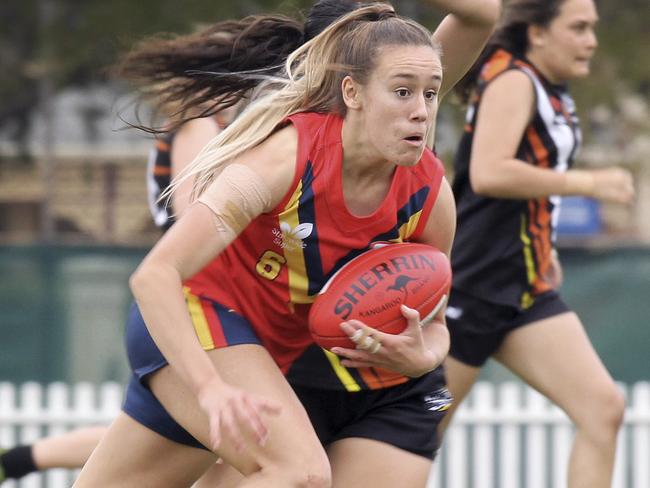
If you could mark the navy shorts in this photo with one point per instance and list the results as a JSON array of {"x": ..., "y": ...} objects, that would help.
[
  {"x": 478, "y": 328},
  {"x": 145, "y": 358},
  {"x": 405, "y": 416}
]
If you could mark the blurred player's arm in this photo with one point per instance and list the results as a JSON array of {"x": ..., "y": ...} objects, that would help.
[
  {"x": 462, "y": 34},
  {"x": 494, "y": 170},
  {"x": 188, "y": 142}
]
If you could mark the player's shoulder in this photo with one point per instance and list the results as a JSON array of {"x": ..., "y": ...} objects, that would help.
[
  {"x": 281, "y": 146},
  {"x": 202, "y": 125},
  {"x": 513, "y": 79},
  {"x": 274, "y": 160},
  {"x": 512, "y": 88}
]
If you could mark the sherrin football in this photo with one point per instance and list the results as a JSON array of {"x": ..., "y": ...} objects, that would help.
[{"x": 372, "y": 287}]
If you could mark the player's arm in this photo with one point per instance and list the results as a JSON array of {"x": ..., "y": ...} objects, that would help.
[
  {"x": 188, "y": 142},
  {"x": 462, "y": 34},
  {"x": 262, "y": 177},
  {"x": 439, "y": 232},
  {"x": 440, "y": 228},
  {"x": 494, "y": 170}
]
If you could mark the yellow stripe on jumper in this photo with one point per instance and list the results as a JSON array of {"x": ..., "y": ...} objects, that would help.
[
  {"x": 408, "y": 227},
  {"x": 343, "y": 374},
  {"x": 531, "y": 273},
  {"x": 296, "y": 267},
  {"x": 198, "y": 319}
]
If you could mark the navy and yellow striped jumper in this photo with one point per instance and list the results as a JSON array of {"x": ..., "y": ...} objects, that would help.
[{"x": 279, "y": 263}]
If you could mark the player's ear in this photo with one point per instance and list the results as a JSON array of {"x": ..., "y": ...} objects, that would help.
[
  {"x": 351, "y": 91},
  {"x": 536, "y": 35}
]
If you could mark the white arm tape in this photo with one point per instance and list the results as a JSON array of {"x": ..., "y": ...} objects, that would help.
[{"x": 236, "y": 197}]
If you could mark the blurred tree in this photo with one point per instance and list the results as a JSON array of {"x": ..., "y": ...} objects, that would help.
[
  {"x": 61, "y": 43},
  {"x": 18, "y": 86},
  {"x": 72, "y": 42}
]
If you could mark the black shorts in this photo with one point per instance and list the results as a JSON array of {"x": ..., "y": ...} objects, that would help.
[
  {"x": 405, "y": 416},
  {"x": 478, "y": 328}
]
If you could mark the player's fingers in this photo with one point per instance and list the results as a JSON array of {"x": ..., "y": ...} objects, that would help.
[
  {"x": 411, "y": 315},
  {"x": 360, "y": 338},
  {"x": 348, "y": 363},
  {"x": 366, "y": 340},
  {"x": 249, "y": 414},
  {"x": 269, "y": 406},
  {"x": 354, "y": 331},
  {"x": 370, "y": 344},
  {"x": 351, "y": 328},
  {"x": 215, "y": 432},
  {"x": 229, "y": 427}
]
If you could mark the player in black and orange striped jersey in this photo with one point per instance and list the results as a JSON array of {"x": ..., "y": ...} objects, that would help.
[
  {"x": 171, "y": 153},
  {"x": 306, "y": 178},
  {"x": 521, "y": 230},
  {"x": 513, "y": 164}
]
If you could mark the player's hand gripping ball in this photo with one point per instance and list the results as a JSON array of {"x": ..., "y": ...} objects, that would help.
[{"x": 372, "y": 286}]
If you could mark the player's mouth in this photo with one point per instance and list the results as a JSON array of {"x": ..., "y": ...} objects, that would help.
[{"x": 414, "y": 140}]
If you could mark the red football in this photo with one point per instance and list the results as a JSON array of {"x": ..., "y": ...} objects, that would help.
[{"x": 372, "y": 286}]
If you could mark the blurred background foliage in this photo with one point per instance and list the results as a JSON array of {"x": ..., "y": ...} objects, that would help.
[{"x": 73, "y": 43}]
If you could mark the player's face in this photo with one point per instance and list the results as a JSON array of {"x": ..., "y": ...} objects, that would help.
[
  {"x": 568, "y": 44},
  {"x": 400, "y": 102}
]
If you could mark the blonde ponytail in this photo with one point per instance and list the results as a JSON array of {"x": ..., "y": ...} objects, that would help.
[{"x": 311, "y": 83}]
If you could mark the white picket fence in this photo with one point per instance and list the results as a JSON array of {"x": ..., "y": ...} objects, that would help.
[
  {"x": 504, "y": 436},
  {"x": 32, "y": 411},
  {"x": 509, "y": 436}
]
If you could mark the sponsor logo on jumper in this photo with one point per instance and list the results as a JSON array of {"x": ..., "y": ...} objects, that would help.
[
  {"x": 454, "y": 312},
  {"x": 291, "y": 239},
  {"x": 438, "y": 401},
  {"x": 392, "y": 269}
]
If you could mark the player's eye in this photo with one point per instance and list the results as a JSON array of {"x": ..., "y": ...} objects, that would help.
[{"x": 430, "y": 95}]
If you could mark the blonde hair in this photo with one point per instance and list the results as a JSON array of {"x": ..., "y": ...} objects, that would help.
[{"x": 312, "y": 83}]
